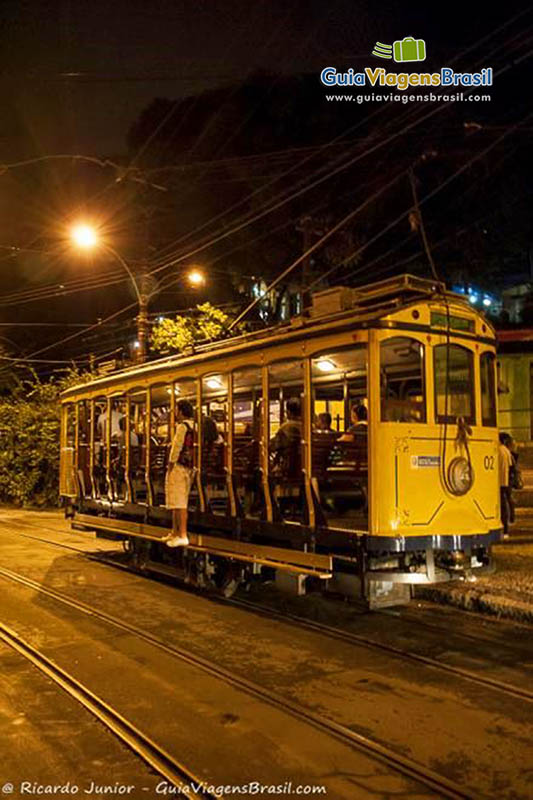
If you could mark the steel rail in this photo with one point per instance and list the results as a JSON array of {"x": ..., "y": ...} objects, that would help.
[
  {"x": 355, "y": 638},
  {"x": 155, "y": 756},
  {"x": 408, "y": 767},
  {"x": 339, "y": 634}
]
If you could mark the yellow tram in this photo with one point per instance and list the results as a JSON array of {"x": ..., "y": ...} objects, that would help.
[{"x": 409, "y": 495}]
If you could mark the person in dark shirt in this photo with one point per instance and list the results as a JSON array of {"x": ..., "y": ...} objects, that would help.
[{"x": 359, "y": 426}]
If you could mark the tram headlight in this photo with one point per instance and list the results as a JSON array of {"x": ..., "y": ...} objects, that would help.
[{"x": 460, "y": 476}]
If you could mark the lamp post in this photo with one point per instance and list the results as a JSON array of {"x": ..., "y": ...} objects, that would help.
[{"x": 86, "y": 237}]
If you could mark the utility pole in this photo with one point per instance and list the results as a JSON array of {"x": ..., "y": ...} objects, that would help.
[{"x": 146, "y": 285}]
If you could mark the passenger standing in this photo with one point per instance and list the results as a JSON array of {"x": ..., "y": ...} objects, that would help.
[
  {"x": 180, "y": 472},
  {"x": 505, "y": 463}
]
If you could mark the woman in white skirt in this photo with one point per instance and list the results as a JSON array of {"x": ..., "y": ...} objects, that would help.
[{"x": 180, "y": 472}]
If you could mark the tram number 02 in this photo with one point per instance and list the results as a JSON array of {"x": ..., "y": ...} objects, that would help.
[{"x": 488, "y": 462}]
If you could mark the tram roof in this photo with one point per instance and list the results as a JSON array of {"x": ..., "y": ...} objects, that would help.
[{"x": 331, "y": 307}]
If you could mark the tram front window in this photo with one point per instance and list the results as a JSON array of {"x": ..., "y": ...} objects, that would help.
[
  {"x": 403, "y": 397},
  {"x": 454, "y": 383},
  {"x": 488, "y": 390},
  {"x": 339, "y": 442}
]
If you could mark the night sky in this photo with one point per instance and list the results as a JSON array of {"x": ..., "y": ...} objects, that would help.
[{"x": 75, "y": 76}]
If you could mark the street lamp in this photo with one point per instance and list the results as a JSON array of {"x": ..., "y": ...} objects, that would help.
[
  {"x": 196, "y": 277},
  {"x": 85, "y": 237}
]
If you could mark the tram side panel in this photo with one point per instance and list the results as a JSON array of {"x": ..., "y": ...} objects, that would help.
[{"x": 416, "y": 500}]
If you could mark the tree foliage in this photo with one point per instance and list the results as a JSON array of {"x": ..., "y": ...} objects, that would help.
[
  {"x": 29, "y": 439},
  {"x": 175, "y": 335}
]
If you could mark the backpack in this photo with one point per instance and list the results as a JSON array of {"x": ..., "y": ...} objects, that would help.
[{"x": 186, "y": 456}]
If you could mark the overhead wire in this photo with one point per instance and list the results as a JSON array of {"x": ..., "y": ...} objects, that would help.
[
  {"x": 413, "y": 206},
  {"x": 170, "y": 263},
  {"x": 406, "y": 115}
]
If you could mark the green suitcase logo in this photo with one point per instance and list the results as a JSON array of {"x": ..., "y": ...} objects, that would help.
[{"x": 409, "y": 49}]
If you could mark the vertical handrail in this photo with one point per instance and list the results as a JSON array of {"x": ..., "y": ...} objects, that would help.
[
  {"x": 265, "y": 441},
  {"x": 198, "y": 446},
  {"x": 148, "y": 448},
  {"x": 127, "y": 451},
  {"x": 374, "y": 400},
  {"x": 76, "y": 459},
  {"x": 308, "y": 441},
  {"x": 91, "y": 447},
  {"x": 229, "y": 449},
  {"x": 63, "y": 488},
  {"x": 108, "y": 449}
]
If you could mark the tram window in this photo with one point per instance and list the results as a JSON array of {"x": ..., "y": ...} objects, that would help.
[
  {"x": 488, "y": 390},
  {"x": 247, "y": 432},
  {"x": 159, "y": 440},
  {"x": 339, "y": 385},
  {"x": 339, "y": 441},
  {"x": 285, "y": 437},
  {"x": 138, "y": 435},
  {"x": 403, "y": 395},
  {"x": 214, "y": 432},
  {"x": 454, "y": 383},
  {"x": 84, "y": 437},
  {"x": 117, "y": 458},
  {"x": 68, "y": 482},
  {"x": 184, "y": 389},
  {"x": 71, "y": 425}
]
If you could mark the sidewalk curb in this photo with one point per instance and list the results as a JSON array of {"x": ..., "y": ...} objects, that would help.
[{"x": 468, "y": 598}]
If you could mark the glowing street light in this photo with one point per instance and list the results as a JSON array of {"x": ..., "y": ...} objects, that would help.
[
  {"x": 196, "y": 278},
  {"x": 84, "y": 236}
]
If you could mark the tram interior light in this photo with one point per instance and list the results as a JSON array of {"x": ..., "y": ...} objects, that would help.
[
  {"x": 325, "y": 365},
  {"x": 136, "y": 344},
  {"x": 213, "y": 383}
]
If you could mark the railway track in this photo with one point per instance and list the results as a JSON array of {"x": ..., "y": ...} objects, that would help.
[
  {"x": 151, "y": 753},
  {"x": 356, "y": 639},
  {"x": 341, "y": 635},
  {"x": 443, "y": 787}
]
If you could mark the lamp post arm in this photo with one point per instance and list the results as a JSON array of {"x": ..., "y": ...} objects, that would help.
[{"x": 124, "y": 264}]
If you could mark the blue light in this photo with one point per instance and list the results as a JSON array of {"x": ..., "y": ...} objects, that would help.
[
  {"x": 473, "y": 298},
  {"x": 487, "y": 301}
]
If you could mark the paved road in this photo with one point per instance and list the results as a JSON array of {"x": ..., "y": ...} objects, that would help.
[{"x": 452, "y": 726}]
